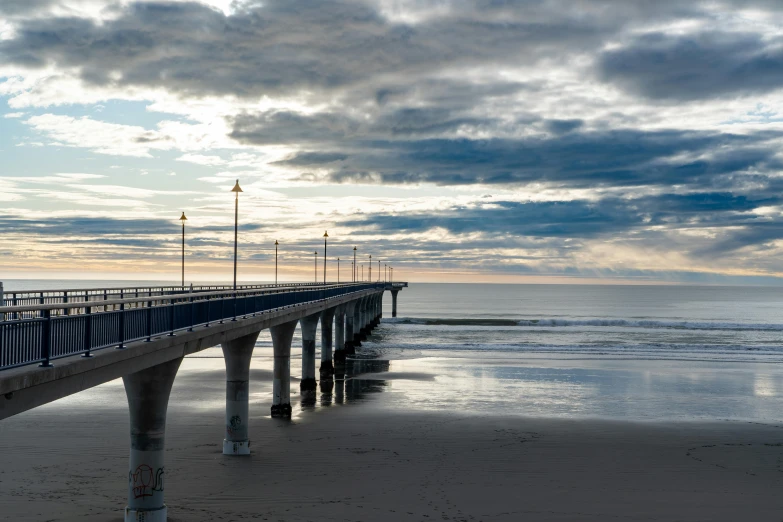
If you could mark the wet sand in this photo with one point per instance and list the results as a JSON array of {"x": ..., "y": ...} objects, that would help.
[{"x": 358, "y": 456}]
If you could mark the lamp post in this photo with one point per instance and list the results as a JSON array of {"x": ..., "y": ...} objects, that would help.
[
  {"x": 362, "y": 272},
  {"x": 236, "y": 190},
  {"x": 391, "y": 275},
  {"x": 385, "y": 272},
  {"x": 276, "y": 243},
  {"x": 325, "y": 236},
  {"x": 379, "y": 270},
  {"x": 183, "y": 219},
  {"x": 354, "y": 265},
  {"x": 316, "y": 266},
  {"x": 338, "y": 270},
  {"x": 369, "y": 270}
]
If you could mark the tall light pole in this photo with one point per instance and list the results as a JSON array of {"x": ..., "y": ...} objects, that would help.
[
  {"x": 385, "y": 272},
  {"x": 362, "y": 272},
  {"x": 369, "y": 270},
  {"x": 379, "y": 270},
  {"x": 276, "y": 243},
  {"x": 355, "y": 269},
  {"x": 325, "y": 236},
  {"x": 236, "y": 190},
  {"x": 391, "y": 275},
  {"x": 338, "y": 270},
  {"x": 316, "y": 266},
  {"x": 183, "y": 219}
]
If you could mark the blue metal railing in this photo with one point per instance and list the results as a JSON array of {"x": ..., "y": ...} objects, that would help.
[
  {"x": 40, "y": 333},
  {"x": 35, "y": 297}
]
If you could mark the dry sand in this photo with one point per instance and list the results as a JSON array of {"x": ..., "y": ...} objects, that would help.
[{"x": 365, "y": 460}]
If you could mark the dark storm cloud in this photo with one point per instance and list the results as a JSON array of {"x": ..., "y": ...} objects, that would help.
[
  {"x": 280, "y": 46},
  {"x": 21, "y": 7},
  {"x": 85, "y": 226},
  {"x": 578, "y": 218},
  {"x": 588, "y": 159},
  {"x": 695, "y": 67},
  {"x": 284, "y": 45},
  {"x": 547, "y": 219}
]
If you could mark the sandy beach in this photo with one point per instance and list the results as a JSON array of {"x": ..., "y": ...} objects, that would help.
[{"x": 357, "y": 455}]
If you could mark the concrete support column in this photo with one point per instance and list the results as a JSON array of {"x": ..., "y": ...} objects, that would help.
[
  {"x": 350, "y": 326},
  {"x": 394, "y": 302},
  {"x": 358, "y": 323},
  {"x": 237, "y": 354},
  {"x": 148, "y": 398},
  {"x": 327, "y": 366},
  {"x": 281, "y": 381},
  {"x": 339, "y": 334},
  {"x": 309, "y": 325},
  {"x": 368, "y": 315}
]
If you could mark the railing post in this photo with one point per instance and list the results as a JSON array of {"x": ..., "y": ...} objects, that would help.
[
  {"x": 235, "y": 307},
  {"x": 121, "y": 344},
  {"x": 207, "y": 325},
  {"x": 87, "y": 331},
  {"x": 171, "y": 317},
  {"x": 46, "y": 339},
  {"x": 66, "y": 311},
  {"x": 191, "y": 314},
  {"x": 42, "y": 298},
  {"x": 149, "y": 321}
]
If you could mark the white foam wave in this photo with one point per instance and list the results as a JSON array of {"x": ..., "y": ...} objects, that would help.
[{"x": 597, "y": 322}]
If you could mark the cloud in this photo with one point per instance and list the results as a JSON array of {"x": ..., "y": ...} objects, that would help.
[
  {"x": 128, "y": 140},
  {"x": 652, "y": 127},
  {"x": 587, "y": 159},
  {"x": 280, "y": 46},
  {"x": 201, "y": 159},
  {"x": 697, "y": 66}
]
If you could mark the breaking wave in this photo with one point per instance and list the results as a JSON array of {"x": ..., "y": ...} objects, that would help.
[{"x": 565, "y": 323}]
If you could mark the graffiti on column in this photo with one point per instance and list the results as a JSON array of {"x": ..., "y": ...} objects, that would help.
[
  {"x": 234, "y": 424},
  {"x": 145, "y": 482}
]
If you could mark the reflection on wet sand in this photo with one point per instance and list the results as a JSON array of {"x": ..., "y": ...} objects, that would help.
[{"x": 348, "y": 386}]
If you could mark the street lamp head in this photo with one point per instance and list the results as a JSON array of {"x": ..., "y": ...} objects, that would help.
[
  {"x": 276, "y": 243},
  {"x": 316, "y": 253},
  {"x": 354, "y": 248},
  {"x": 325, "y": 234},
  {"x": 183, "y": 218},
  {"x": 237, "y": 188}
]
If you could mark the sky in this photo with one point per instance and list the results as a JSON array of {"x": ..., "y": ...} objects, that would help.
[{"x": 455, "y": 140}]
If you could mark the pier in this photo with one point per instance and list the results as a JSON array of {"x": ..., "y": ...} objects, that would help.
[{"x": 54, "y": 343}]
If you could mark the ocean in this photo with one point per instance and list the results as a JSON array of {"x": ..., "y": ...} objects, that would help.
[
  {"x": 567, "y": 321},
  {"x": 626, "y": 352}
]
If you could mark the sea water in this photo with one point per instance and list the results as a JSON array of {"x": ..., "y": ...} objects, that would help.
[
  {"x": 635, "y": 322},
  {"x": 642, "y": 352}
]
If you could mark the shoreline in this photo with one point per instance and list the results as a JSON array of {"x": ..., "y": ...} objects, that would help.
[{"x": 370, "y": 459}]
